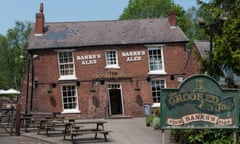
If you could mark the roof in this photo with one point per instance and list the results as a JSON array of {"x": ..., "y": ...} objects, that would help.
[
  {"x": 202, "y": 46},
  {"x": 97, "y": 33}
]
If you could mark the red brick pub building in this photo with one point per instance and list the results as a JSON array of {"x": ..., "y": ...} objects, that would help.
[{"x": 99, "y": 69}]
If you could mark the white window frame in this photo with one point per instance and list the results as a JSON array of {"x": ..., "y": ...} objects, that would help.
[
  {"x": 70, "y": 76},
  {"x": 114, "y": 66},
  {"x": 158, "y": 90},
  {"x": 70, "y": 110},
  {"x": 158, "y": 71}
]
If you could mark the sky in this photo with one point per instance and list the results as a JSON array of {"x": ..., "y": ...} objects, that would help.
[{"x": 65, "y": 10}]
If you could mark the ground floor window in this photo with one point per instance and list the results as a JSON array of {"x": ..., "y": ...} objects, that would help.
[
  {"x": 69, "y": 98},
  {"x": 157, "y": 85}
]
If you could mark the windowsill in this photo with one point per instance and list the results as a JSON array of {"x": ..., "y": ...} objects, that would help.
[
  {"x": 156, "y": 72},
  {"x": 112, "y": 67},
  {"x": 70, "y": 77},
  {"x": 70, "y": 111}
]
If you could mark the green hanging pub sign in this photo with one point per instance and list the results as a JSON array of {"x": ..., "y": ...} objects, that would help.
[{"x": 199, "y": 103}]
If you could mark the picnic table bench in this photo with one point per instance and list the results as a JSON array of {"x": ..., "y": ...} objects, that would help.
[
  {"x": 73, "y": 128},
  {"x": 51, "y": 124}
]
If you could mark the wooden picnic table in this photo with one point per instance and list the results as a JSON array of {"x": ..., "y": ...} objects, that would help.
[
  {"x": 50, "y": 124},
  {"x": 74, "y": 128}
]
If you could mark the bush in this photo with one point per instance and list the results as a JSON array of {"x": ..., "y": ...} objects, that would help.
[
  {"x": 149, "y": 120},
  {"x": 204, "y": 136},
  {"x": 156, "y": 122}
]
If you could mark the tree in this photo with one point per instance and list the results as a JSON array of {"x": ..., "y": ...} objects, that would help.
[
  {"x": 147, "y": 9},
  {"x": 14, "y": 44},
  {"x": 226, "y": 36},
  {"x": 227, "y": 51}
]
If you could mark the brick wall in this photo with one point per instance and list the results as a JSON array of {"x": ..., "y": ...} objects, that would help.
[{"x": 46, "y": 73}]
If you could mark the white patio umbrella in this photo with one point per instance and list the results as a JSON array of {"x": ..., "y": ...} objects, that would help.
[
  {"x": 12, "y": 91},
  {"x": 9, "y": 91},
  {"x": 2, "y": 91}
]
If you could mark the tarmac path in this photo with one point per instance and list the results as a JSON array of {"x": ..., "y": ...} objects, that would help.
[{"x": 5, "y": 138}]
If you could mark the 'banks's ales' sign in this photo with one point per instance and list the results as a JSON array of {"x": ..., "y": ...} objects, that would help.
[{"x": 199, "y": 102}]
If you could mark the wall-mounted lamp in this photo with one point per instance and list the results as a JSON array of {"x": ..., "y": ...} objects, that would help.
[
  {"x": 53, "y": 85},
  {"x": 78, "y": 83},
  {"x": 172, "y": 77},
  {"x": 148, "y": 79},
  {"x": 36, "y": 84},
  {"x": 102, "y": 81}
]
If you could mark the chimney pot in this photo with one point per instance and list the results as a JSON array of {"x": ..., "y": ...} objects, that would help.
[
  {"x": 41, "y": 7},
  {"x": 172, "y": 19}
]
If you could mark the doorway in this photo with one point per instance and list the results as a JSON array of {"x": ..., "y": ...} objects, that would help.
[{"x": 115, "y": 99}]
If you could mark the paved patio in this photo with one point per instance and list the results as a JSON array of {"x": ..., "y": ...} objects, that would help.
[{"x": 124, "y": 131}]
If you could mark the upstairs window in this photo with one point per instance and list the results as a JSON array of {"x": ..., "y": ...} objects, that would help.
[
  {"x": 155, "y": 57},
  {"x": 111, "y": 59},
  {"x": 157, "y": 85},
  {"x": 66, "y": 65}
]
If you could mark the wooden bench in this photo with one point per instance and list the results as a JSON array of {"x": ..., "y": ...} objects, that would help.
[
  {"x": 73, "y": 129},
  {"x": 51, "y": 125},
  {"x": 75, "y": 132},
  {"x": 84, "y": 132}
]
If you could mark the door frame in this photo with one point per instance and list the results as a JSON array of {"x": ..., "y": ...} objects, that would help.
[{"x": 115, "y": 86}]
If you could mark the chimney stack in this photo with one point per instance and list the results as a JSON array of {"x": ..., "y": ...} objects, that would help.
[
  {"x": 172, "y": 19},
  {"x": 39, "y": 26}
]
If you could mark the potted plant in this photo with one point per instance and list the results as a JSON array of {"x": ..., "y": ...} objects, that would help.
[
  {"x": 149, "y": 120},
  {"x": 137, "y": 89},
  {"x": 49, "y": 91},
  {"x": 92, "y": 90}
]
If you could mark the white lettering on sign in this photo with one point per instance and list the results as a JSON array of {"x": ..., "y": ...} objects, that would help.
[
  {"x": 89, "y": 59},
  {"x": 88, "y": 62},
  {"x": 200, "y": 117},
  {"x": 133, "y": 55},
  {"x": 129, "y": 59}
]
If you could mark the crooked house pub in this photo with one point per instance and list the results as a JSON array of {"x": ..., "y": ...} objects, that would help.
[{"x": 98, "y": 69}]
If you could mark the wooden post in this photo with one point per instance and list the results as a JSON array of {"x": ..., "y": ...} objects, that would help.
[
  {"x": 163, "y": 137},
  {"x": 11, "y": 119},
  {"x": 234, "y": 136},
  {"x": 18, "y": 120}
]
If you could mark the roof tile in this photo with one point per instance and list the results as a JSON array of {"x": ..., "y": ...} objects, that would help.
[{"x": 96, "y": 33}]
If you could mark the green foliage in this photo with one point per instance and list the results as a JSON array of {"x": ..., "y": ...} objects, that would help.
[
  {"x": 226, "y": 36},
  {"x": 147, "y": 9},
  {"x": 227, "y": 46},
  {"x": 149, "y": 119},
  {"x": 14, "y": 44},
  {"x": 156, "y": 122},
  {"x": 204, "y": 136}
]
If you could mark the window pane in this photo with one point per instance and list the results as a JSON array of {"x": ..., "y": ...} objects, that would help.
[
  {"x": 156, "y": 88},
  {"x": 155, "y": 59},
  {"x": 69, "y": 97},
  {"x": 111, "y": 57},
  {"x": 66, "y": 63}
]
